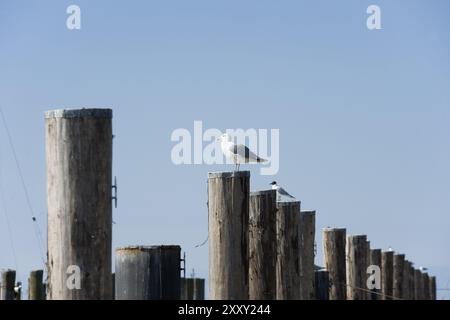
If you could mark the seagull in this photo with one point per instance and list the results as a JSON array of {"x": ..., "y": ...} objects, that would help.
[
  {"x": 280, "y": 191},
  {"x": 423, "y": 269},
  {"x": 390, "y": 249},
  {"x": 238, "y": 153}
]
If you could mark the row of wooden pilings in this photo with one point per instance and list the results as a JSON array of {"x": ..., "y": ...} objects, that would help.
[
  {"x": 258, "y": 248},
  {"x": 263, "y": 249},
  {"x": 354, "y": 271}
]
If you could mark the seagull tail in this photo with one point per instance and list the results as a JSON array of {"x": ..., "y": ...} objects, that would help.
[{"x": 261, "y": 160}]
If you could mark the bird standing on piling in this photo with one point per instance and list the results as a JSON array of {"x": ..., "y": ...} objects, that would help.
[
  {"x": 238, "y": 153},
  {"x": 280, "y": 191}
]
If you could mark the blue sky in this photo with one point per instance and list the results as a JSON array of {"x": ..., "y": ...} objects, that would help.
[{"x": 363, "y": 115}]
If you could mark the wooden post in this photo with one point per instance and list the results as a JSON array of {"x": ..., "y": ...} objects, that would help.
[
  {"x": 334, "y": 259},
  {"x": 199, "y": 289},
  {"x": 307, "y": 237},
  {"x": 288, "y": 256},
  {"x": 433, "y": 288},
  {"x": 79, "y": 159},
  {"x": 322, "y": 285},
  {"x": 426, "y": 287},
  {"x": 262, "y": 245},
  {"x": 418, "y": 285},
  {"x": 113, "y": 286},
  {"x": 36, "y": 285},
  {"x": 18, "y": 291},
  {"x": 148, "y": 273},
  {"x": 406, "y": 289},
  {"x": 375, "y": 260},
  {"x": 366, "y": 275},
  {"x": 411, "y": 281},
  {"x": 387, "y": 274},
  {"x": 356, "y": 267},
  {"x": 7, "y": 282},
  {"x": 399, "y": 261},
  {"x": 194, "y": 289},
  {"x": 228, "y": 202}
]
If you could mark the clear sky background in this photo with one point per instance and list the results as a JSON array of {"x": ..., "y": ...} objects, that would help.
[{"x": 364, "y": 116}]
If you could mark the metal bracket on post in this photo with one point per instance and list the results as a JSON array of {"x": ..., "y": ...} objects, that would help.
[
  {"x": 114, "y": 197},
  {"x": 184, "y": 265}
]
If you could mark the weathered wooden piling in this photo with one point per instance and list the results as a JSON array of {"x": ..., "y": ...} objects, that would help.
[
  {"x": 433, "y": 288},
  {"x": 262, "y": 245},
  {"x": 387, "y": 274},
  {"x": 193, "y": 289},
  {"x": 18, "y": 291},
  {"x": 322, "y": 285},
  {"x": 375, "y": 261},
  {"x": 426, "y": 286},
  {"x": 288, "y": 255},
  {"x": 356, "y": 267},
  {"x": 7, "y": 282},
  {"x": 418, "y": 285},
  {"x": 113, "y": 286},
  {"x": 411, "y": 281},
  {"x": 334, "y": 241},
  {"x": 406, "y": 289},
  {"x": 36, "y": 285},
  {"x": 79, "y": 158},
  {"x": 366, "y": 275},
  {"x": 399, "y": 261},
  {"x": 228, "y": 211},
  {"x": 148, "y": 273},
  {"x": 307, "y": 237}
]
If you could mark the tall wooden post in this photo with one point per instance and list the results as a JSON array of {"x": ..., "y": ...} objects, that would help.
[
  {"x": 262, "y": 245},
  {"x": 426, "y": 287},
  {"x": 228, "y": 207},
  {"x": 288, "y": 256},
  {"x": 79, "y": 158},
  {"x": 433, "y": 288},
  {"x": 148, "y": 273},
  {"x": 307, "y": 237},
  {"x": 322, "y": 285},
  {"x": 7, "y": 282},
  {"x": 406, "y": 289},
  {"x": 399, "y": 261},
  {"x": 375, "y": 260},
  {"x": 36, "y": 285},
  {"x": 334, "y": 259},
  {"x": 356, "y": 267},
  {"x": 387, "y": 274},
  {"x": 411, "y": 281},
  {"x": 418, "y": 285},
  {"x": 366, "y": 275}
]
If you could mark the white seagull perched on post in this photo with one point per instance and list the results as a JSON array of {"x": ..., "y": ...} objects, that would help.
[
  {"x": 238, "y": 153},
  {"x": 280, "y": 191}
]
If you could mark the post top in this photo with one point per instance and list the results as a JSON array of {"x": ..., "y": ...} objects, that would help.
[
  {"x": 233, "y": 174},
  {"x": 329, "y": 229},
  {"x": 148, "y": 248},
  {"x": 308, "y": 212},
  {"x": 263, "y": 193},
  {"x": 358, "y": 236},
  {"x": 79, "y": 113},
  {"x": 288, "y": 203}
]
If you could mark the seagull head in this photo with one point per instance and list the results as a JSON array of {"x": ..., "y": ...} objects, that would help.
[
  {"x": 224, "y": 137},
  {"x": 274, "y": 183}
]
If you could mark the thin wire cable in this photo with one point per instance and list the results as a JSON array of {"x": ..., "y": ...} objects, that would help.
[
  {"x": 373, "y": 292},
  {"x": 36, "y": 228}
]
